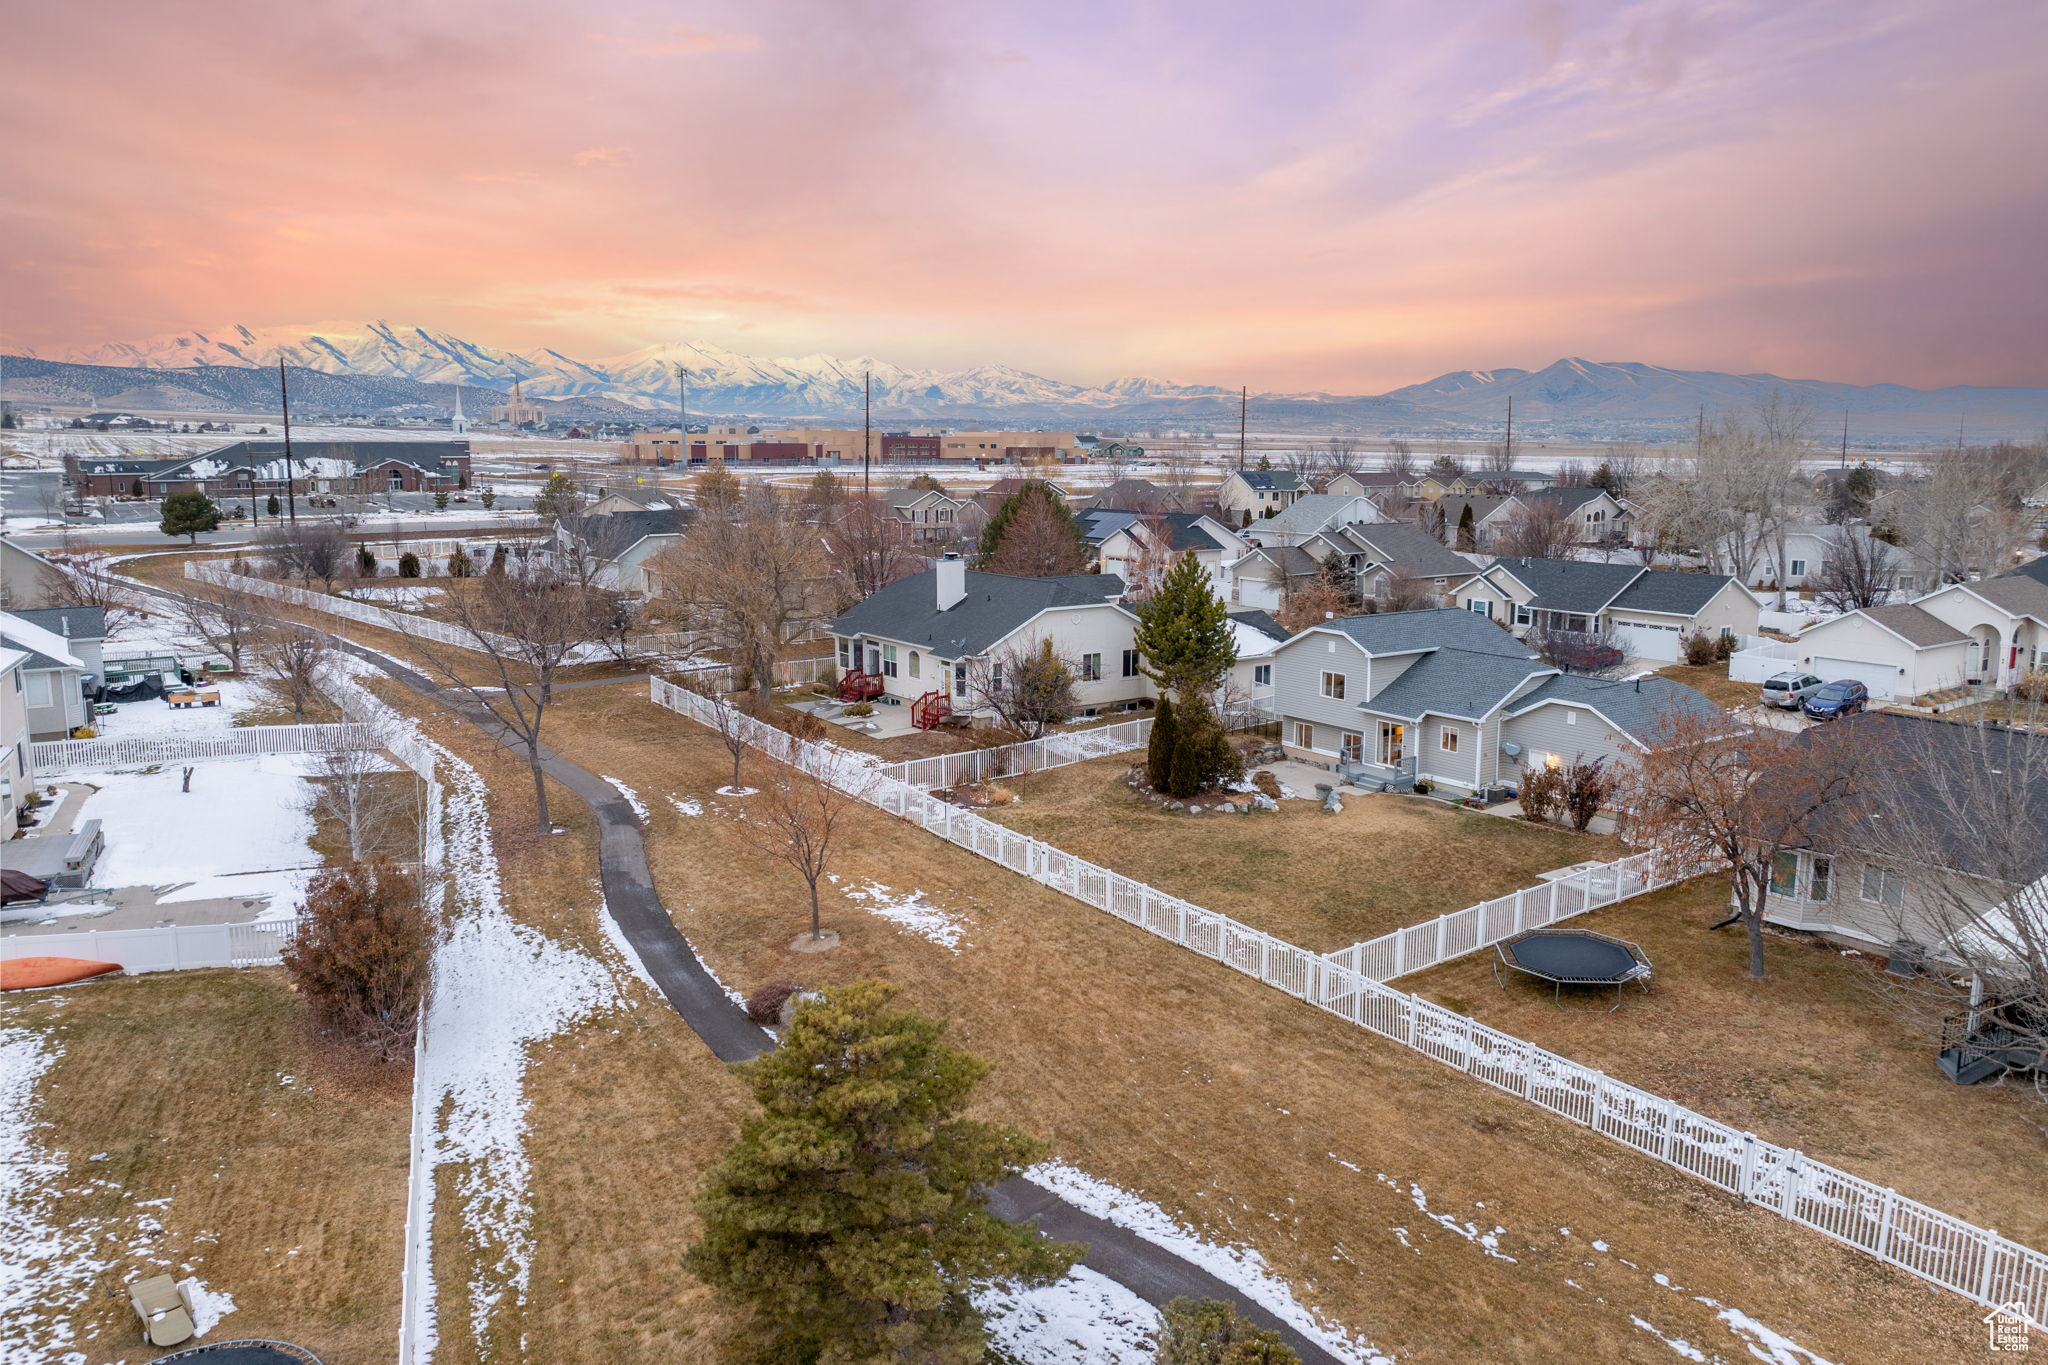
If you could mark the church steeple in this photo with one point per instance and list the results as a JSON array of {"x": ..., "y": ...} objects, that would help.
[{"x": 458, "y": 425}]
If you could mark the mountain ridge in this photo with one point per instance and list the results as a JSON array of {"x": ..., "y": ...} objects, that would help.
[{"x": 1570, "y": 397}]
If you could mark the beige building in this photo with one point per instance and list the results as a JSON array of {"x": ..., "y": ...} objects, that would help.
[{"x": 516, "y": 411}]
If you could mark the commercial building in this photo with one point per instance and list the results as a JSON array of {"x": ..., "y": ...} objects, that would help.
[{"x": 257, "y": 469}]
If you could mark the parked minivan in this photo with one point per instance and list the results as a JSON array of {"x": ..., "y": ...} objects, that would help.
[{"x": 1788, "y": 690}]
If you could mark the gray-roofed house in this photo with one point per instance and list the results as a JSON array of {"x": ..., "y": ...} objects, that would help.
[
  {"x": 1649, "y": 612},
  {"x": 1987, "y": 631},
  {"x": 27, "y": 579},
  {"x": 1445, "y": 697},
  {"x": 1132, "y": 495},
  {"x": 932, "y": 515},
  {"x": 53, "y": 672},
  {"x": 1133, "y": 545},
  {"x": 929, "y": 638},
  {"x": 1596, "y": 513},
  {"x": 1290, "y": 548},
  {"x": 618, "y": 549},
  {"x": 1259, "y": 493}
]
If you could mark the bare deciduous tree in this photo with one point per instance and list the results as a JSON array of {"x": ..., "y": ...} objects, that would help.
[
  {"x": 222, "y": 619},
  {"x": 292, "y": 657},
  {"x": 797, "y": 818},
  {"x": 726, "y": 721},
  {"x": 1399, "y": 459},
  {"x": 308, "y": 550},
  {"x": 751, "y": 579},
  {"x": 525, "y": 628},
  {"x": 1595, "y": 652},
  {"x": 1536, "y": 528},
  {"x": 868, "y": 547},
  {"x": 1708, "y": 794},
  {"x": 358, "y": 790},
  {"x": 1856, "y": 570},
  {"x": 1029, "y": 687}
]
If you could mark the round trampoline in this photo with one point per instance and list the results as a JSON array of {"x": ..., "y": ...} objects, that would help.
[
  {"x": 254, "y": 1351},
  {"x": 1573, "y": 957}
]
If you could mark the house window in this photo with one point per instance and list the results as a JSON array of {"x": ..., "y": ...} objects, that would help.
[
  {"x": 1333, "y": 686},
  {"x": 1784, "y": 873},
  {"x": 38, "y": 689},
  {"x": 1091, "y": 668},
  {"x": 888, "y": 661},
  {"x": 1821, "y": 873},
  {"x": 1449, "y": 740},
  {"x": 1262, "y": 675},
  {"x": 1882, "y": 886},
  {"x": 995, "y": 676},
  {"x": 1595, "y": 517},
  {"x": 845, "y": 655},
  {"x": 915, "y": 671},
  {"x": 1571, "y": 718},
  {"x": 1350, "y": 746},
  {"x": 1304, "y": 735},
  {"x": 1479, "y": 605},
  {"x": 1393, "y": 743},
  {"x": 1798, "y": 568},
  {"x": 1521, "y": 614},
  {"x": 960, "y": 679},
  {"x": 1130, "y": 663}
]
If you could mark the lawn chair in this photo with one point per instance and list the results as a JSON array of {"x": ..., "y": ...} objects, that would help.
[{"x": 166, "y": 1317}]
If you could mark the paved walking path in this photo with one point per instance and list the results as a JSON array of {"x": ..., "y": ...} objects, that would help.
[{"x": 1149, "y": 1271}]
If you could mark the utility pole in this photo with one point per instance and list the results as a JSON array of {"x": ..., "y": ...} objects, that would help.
[
  {"x": 1243, "y": 404},
  {"x": 1508, "y": 455},
  {"x": 1845, "y": 435},
  {"x": 867, "y": 427},
  {"x": 683, "y": 419},
  {"x": 291, "y": 487},
  {"x": 1699, "y": 434}
]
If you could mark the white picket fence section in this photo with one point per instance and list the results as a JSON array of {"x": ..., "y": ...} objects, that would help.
[
  {"x": 170, "y": 948},
  {"x": 1487, "y": 923},
  {"x": 71, "y": 755},
  {"x": 1936, "y": 1246},
  {"x": 1051, "y": 751},
  {"x": 419, "y": 627}
]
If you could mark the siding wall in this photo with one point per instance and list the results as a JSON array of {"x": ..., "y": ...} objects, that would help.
[
  {"x": 1298, "y": 667},
  {"x": 1845, "y": 913},
  {"x": 1551, "y": 730}
]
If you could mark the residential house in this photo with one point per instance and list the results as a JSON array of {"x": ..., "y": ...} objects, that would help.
[
  {"x": 1132, "y": 545},
  {"x": 1398, "y": 557},
  {"x": 930, "y": 637},
  {"x": 51, "y": 673},
  {"x": 633, "y": 498},
  {"x": 1594, "y": 511},
  {"x": 1986, "y": 631},
  {"x": 1648, "y": 612},
  {"x": 1807, "y": 548},
  {"x": 1133, "y": 495},
  {"x": 1489, "y": 513},
  {"x": 247, "y": 469},
  {"x": 1842, "y": 888},
  {"x": 1444, "y": 697},
  {"x": 1290, "y": 548},
  {"x": 619, "y": 549},
  {"x": 931, "y": 516},
  {"x": 1258, "y": 637},
  {"x": 996, "y": 494},
  {"x": 17, "y": 755},
  {"x": 1259, "y": 493},
  {"x": 27, "y": 579}
]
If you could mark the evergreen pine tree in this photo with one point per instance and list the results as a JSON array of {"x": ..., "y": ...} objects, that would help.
[
  {"x": 408, "y": 565},
  {"x": 135, "y": 488},
  {"x": 270, "y": 505},
  {"x": 1184, "y": 774},
  {"x": 1159, "y": 752},
  {"x": 499, "y": 557},
  {"x": 849, "y": 1216},
  {"x": 188, "y": 514},
  {"x": 440, "y": 500},
  {"x": 366, "y": 562},
  {"x": 459, "y": 565},
  {"x": 489, "y": 498},
  {"x": 1034, "y": 508},
  {"x": 1184, "y": 632},
  {"x": 1468, "y": 530}
]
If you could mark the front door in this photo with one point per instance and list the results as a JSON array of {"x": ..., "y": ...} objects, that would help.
[{"x": 1393, "y": 740}]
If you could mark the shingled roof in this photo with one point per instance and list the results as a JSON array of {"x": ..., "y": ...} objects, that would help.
[{"x": 907, "y": 611}]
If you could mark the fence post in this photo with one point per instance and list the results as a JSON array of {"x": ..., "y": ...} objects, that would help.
[
  {"x": 1553, "y": 904},
  {"x": 1400, "y": 952},
  {"x": 1788, "y": 1202},
  {"x": 1442, "y": 927},
  {"x": 1746, "y": 1174},
  {"x": 1984, "y": 1280},
  {"x": 1884, "y": 1224}
]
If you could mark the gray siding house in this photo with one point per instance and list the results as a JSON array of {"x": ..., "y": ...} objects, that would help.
[
  {"x": 62, "y": 646},
  {"x": 1445, "y": 697}
]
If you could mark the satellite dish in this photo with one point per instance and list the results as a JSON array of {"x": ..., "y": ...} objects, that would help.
[{"x": 1511, "y": 749}]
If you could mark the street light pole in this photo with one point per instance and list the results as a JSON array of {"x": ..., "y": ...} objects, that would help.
[{"x": 291, "y": 489}]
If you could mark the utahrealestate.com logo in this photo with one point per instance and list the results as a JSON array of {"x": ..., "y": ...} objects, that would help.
[{"x": 2010, "y": 1328}]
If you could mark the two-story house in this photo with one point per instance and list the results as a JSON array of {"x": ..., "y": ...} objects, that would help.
[
  {"x": 1445, "y": 697},
  {"x": 931, "y": 516},
  {"x": 62, "y": 646},
  {"x": 1259, "y": 493},
  {"x": 1132, "y": 545},
  {"x": 1649, "y": 612}
]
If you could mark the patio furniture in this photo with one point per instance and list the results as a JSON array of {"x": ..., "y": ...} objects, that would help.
[{"x": 166, "y": 1317}]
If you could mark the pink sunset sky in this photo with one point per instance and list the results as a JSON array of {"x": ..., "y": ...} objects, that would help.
[{"x": 1334, "y": 196}]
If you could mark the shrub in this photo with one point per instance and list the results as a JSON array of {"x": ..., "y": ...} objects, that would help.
[
  {"x": 1699, "y": 648},
  {"x": 366, "y": 562},
  {"x": 1541, "y": 790},
  {"x": 804, "y": 726},
  {"x": 1159, "y": 752},
  {"x": 1184, "y": 772},
  {"x": 408, "y": 565},
  {"x": 459, "y": 565},
  {"x": 860, "y": 708},
  {"x": 2032, "y": 685},
  {"x": 764, "y": 1006},
  {"x": 1212, "y": 1332},
  {"x": 361, "y": 957},
  {"x": 1423, "y": 789},
  {"x": 1583, "y": 790},
  {"x": 1724, "y": 647}
]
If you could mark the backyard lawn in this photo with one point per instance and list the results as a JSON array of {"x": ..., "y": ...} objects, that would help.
[
  {"x": 196, "y": 1131},
  {"x": 1438, "y": 1217},
  {"x": 1810, "y": 1057},
  {"x": 1322, "y": 881},
  {"x": 1712, "y": 682}
]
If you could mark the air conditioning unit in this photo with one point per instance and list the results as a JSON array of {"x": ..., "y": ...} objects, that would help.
[{"x": 1908, "y": 959}]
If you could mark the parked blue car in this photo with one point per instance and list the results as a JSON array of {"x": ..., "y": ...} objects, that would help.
[{"x": 1835, "y": 700}]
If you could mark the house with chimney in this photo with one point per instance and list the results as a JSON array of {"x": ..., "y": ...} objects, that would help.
[{"x": 929, "y": 641}]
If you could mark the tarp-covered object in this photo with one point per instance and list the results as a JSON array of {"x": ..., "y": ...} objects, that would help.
[{"x": 21, "y": 973}]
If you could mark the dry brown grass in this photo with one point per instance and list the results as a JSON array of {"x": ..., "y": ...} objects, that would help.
[
  {"x": 1319, "y": 880},
  {"x": 1244, "y": 1113},
  {"x": 1712, "y": 681},
  {"x": 290, "y": 1197},
  {"x": 1810, "y": 1057}
]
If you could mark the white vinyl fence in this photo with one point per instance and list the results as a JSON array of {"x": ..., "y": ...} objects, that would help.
[
  {"x": 420, "y": 627},
  {"x": 1945, "y": 1250},
  {"x": 1761, "y": 660},
  {"x": 169, "y": 948},
  {"x": 68, "y": 755},
  {"x": 1051, "y": 751},
  {"x": 1487, "y": 923}
]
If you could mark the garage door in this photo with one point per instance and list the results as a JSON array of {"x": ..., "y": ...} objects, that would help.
[
  {"x": 1647, "y": 642},
  {"x": 1881, "y": 679}
]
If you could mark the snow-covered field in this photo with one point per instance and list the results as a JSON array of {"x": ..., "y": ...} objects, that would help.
[
  {"x": 1085, "y": 1319},
  {"x": 241, "y": 831}
]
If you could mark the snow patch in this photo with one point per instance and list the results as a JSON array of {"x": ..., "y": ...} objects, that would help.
[
  {"x": 737, "y": 791},
  {"x": 1678, "y": 1344},
  {"x": 46, "y": 1275},
  {"x": 692, "y": 807},
  {"x": 1085, "y": 1319},
  {"x": 632, "y": 798},
  {"x": 910, "y": 910},
  {"x": 1488, "y": 1242},
  {"x": 209, "y": 1306},
  {"x": 1241, "y": 1267}
]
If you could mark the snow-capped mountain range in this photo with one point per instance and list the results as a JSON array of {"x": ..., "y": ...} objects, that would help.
[{"x": 1569, "y": 399}]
